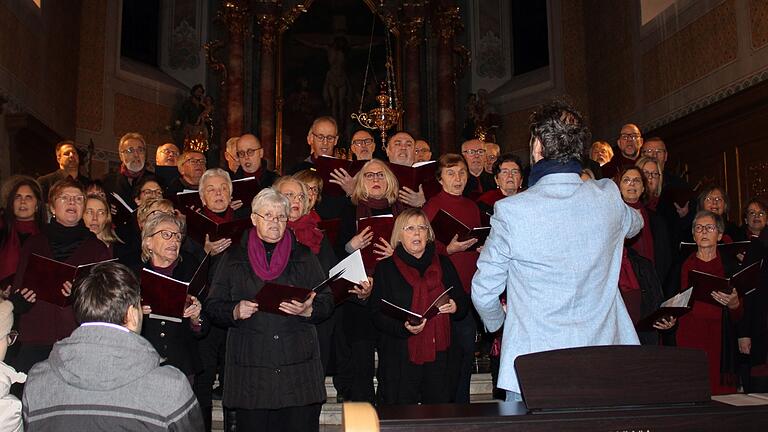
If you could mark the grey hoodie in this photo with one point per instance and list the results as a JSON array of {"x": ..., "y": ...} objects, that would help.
[{"x": 104, "y": 379}]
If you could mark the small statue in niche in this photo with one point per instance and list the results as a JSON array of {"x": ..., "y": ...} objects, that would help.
[{"x": 482, "y": 120}]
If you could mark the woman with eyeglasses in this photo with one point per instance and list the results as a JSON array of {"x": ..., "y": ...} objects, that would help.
[
  {"x": 414, "y": 359},
  {"x": 65, "y": 238},
  {"x": 23, "y": 217},
  {"x": 755, "y": 219},
  {"x": 714, "y": 199},
  {"x": 710, "y": 327},
  {"x": 273, "y": 368},
  {"x": 654, "y": 178},
  {"x": 508, "y": 172},
  {"x": 10, "y": 405},
  {"x": 161, "y": 251}
]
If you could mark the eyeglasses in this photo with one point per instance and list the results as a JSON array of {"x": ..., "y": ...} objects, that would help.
[
  {"x": 708, "y": 228},
  {"x": 91, "y": 212},
  {"x": 630, "y": 181},
  {"x": 653, "y": 152},
  {"x": 379, "y": 175},
  {"x": 313, "y": 189},
  {"x": 491, "y": 157},
  {"x": 167, "y": 235},
  {"x": 152, "y": 192},
  {"x": 362, "y": 142},
  {"x": 324, "y": 138},
  {"x": 753, "y": 213},
  {"x": 66, "y": 199},
  {"x": 651, "y": 175},
  {"x": 169, "y": 152},
  {"x": 195, "y": 161},
  {"x": 132, "y": 150},
  {"x": 12, "y": 336},
  {"x": 715, "y": 200},
  {"x": 269, "y": 217},
  {"x": 410, "y": 229},
  {"x": 473, "y": 152},
  {"x": 509, "y": 172},
  {"x": 422, "y": 150},
  {"x": 630, "y": 137},
  {"x": 250, "y": 152},
  {"x": 292, "y": 196}
]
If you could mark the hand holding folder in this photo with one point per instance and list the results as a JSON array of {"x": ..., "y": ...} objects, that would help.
[
  {"x": 198, "y": 226},
  {"x": 47, "y": 278},
  {"x": 674, "y": 307},
  {"x": 381, "y": 226},
  {"x": 351, "y": 273},
  {"x": 169, "y": 297},
  {"x": 404, "y": 315},
  {"x": 445, "y": 226},
  {"x": 273, "y": 297},
  {"x": 745, "y": 281}
]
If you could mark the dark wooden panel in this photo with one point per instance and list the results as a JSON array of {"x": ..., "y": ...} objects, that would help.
[{"x": 32, "y": 145}]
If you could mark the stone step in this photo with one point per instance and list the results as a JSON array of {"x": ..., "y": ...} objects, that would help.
[{"x": 481, "y": 384}]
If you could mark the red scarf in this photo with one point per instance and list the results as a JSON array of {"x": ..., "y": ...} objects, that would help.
[
  {"x": 643, "y": 241},
  {"x": 9, "y": 251},
  {"x": 364, "y": 207},
  {"x": 257, "y": 255},
  {"x": 436, "y": 336},
  {"x": 219, "y": 218},
  {"x": 130, "y": 174},
  {"x": 306, "y": 231},
  {"x": 629, "y": 287}
]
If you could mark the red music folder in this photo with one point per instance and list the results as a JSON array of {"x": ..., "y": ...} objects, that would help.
[
  {"x": 744, "y": 281},
  {"x": 45, "y": 276},
  {"x": 272, "y": 294},
  {"x": 198, "y": 225},
  {"x": 245, "y": 189},
  {"x": 675, "y": 307},
  {"x": 446, "y": 226},
  {"x": 420, "y": 173},
  {"x": 168, "y": 297},
  {"x": 402, "y": 314},
  {"x": 331, "y": 228},
  {"x": 382, "y": 227},
  {"x": 324, "y": 165}
]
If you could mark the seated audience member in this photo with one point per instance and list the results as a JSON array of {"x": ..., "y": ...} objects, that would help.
[
  {"x": 492, "y": 151},
  {"x": 133, "y": 157},
  {"x": 10, "y": 406},
  {"x": 105, "y": 369},
  {"x": 654, "y": 180},
  {"x": 65, "y": 239},
  {"x": 652, "y": 242},
  {"x": 478, "y": 180},
  {"x": 422, "y": 152},
  {"x": 69, "y": 165},
  {"x": 250, "y": 154},
  {"x": 98, "y": 219},
  {"x": 191, "y": 168},
  {"x": 23, "y": 217},
  {"x": 161, "y": 252},
  {"x": 166, "y": 163},
  {"x": 708, "y": 327},
  {"x": 715, "y": 199},
  {"x": 414, "y": 359},
  {"x": 754, "y": 220},
  {"x": 630, "y": 141},
  {"x": 452, "y": 174},
  {"x": 230, "y": 156},
  {"x": 601, "y": 152},
  {"x": 362, "y": 145},
  {"x": 281, "y": 388},
  {"x": 508, "y": 173}
]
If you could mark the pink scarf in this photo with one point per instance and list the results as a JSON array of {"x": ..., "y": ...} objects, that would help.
[{"x": 257, "y": 255}]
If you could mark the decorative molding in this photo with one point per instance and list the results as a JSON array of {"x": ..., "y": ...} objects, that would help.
[
  {"x": 268, "y": 23},
  {"x": 236, "y": 17},
  {"x": 214, "y": 63},
  {"x": 448, "y": 23},
  {"x": 411, "y": 29}
]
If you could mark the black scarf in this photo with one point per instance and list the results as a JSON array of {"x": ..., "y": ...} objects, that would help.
[
  {"x": 546, "y": 167},
  {"x": 420, "y": 264},
  {"x": 65, "y": 240}
]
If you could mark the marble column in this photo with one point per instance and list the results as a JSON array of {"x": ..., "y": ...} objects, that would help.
[
  {"x": 447, "y": 21},
  {"x": 411, "y": 30},
  {"x": 236, "y": 18},
  {"x": 268, "y": 27}
]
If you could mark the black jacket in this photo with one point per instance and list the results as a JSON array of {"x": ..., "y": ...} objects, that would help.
[
  {"x": 651, "y": 294},
  {"x": 121, "y": 185}
]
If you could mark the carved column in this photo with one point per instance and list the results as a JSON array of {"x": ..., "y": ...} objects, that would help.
[
  {"x": 236, "y": 18},
  {"x": 267, "y": 21},
  {"x": 447, "y": 21},
  {"x": 411, "y": 30}
]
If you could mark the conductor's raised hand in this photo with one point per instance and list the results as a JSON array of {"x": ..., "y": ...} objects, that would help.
[{"x": 244, "y": 309}]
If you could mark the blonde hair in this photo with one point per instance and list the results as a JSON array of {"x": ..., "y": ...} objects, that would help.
[
  {"x": 148, "y": 206},
  {"x": 641, "y": 163},
  {"x": 290, "y": 179},
  {"x": 360, "y": 194},
  {"x": 402, "y": 221}
]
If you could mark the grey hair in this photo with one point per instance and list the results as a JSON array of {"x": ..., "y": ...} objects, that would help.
[
  {"x": 210, "y": 173},
  {"x": 150, "y": 227},
  {"x": 704, "y": 213},
  {"x": 267, "y": 197}
]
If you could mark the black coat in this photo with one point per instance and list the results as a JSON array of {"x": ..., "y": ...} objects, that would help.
[
  {"x": 122, "y": 185},
  {"x": 273, "y": 361},
  {"x": 651, "y": 295},
  {"x": 393, "y": 341},
  {"x": 177, "y": 342}
]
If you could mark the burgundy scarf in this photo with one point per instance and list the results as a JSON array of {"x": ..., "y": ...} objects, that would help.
[
  {"x": 12, "y": 247},
  {"x": 629, "y": 287},
  {"x": 219, "y": 218},
  {"x": 167, "y": 271},
  {"x": 306, "y": 231},
  {"x": 364, "y": 207},
  {"x": 130, "y": 174},
  {"x": 257, "y": 255},
  {"x": 643, "y": 241},
  {"x": 436, "y": 336}
]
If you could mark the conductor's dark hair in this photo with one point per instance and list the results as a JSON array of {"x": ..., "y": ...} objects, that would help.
[
  {"x": 105, "y": 293},
  {"x": 561, "y": 130}
]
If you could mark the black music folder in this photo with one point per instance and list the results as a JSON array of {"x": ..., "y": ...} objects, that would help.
[
  {"x": 675, "y": 307},
  {"x": 198, "y": 225},
  {"x": 168, "y": 297},
  {"x": 744, "y": 281},
  {"x": 446, "y": 226}
]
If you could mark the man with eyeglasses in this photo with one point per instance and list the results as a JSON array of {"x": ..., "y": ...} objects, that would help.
[
  {"x": 250, "y": 153},
  {"x": 478, "y": 181},
  {"x": 133, "y": 156},
  {"x": 166, "y": 159},
  {"x": 492, "y": 151},
  {"x": 422, "y": 152},
  {"x": 322, "y": 139},
  {"x": 69, "y": 165},
  {"x": 191, "y": 167},
  {"x": 630, "y": 141},
  {"x": 10, "y": 406},
  {"x": 362, "y": 145}
]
